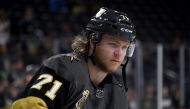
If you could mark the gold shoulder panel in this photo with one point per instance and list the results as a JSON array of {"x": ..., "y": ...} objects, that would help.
[{"x": 29, "y": 103}]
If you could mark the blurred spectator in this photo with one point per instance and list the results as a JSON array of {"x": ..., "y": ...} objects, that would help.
[
  {"x": 167, "y": 100},
  {"x": 28, "y": 23},
  {"x": 4, "y": 88},
  {"x": 132, "y": 99},
  {"x": 149, "y": 101},
  {"x": 17, "y": 69},
  {"x": 62, "y": 44},
  {"x": 12, "y": 94},
  {"x": 30, "y": 70},
  {"x": 176, "y": 98},
  {"x": 4, "y": 28},
  {"x": 4, "y": 37}
]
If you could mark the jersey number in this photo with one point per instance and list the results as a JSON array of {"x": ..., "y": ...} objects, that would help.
[{"x": 46, "y": 78}]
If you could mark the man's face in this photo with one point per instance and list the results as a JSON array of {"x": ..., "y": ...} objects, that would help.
[{"x": 110, "y": 52}]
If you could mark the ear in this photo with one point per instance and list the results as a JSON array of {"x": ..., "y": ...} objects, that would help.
[
  {"x": 91, "y": 46},
  {"x": 91, "y": 43}
]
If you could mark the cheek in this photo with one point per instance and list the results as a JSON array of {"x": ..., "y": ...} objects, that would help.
[
  {"x": 104, "y": 53},
  {"x": 124, "y": 53},
  {"x": 105, "y": 50},
  {"x": 122, "y": 56}
]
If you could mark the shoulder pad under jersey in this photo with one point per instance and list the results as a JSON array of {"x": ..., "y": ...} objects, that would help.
[{"x": 69, "y": 66}]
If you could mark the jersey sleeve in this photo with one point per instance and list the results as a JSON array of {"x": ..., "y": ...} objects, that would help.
[
  {"x": 29, "y": 103},
  {"x": 48, "y": 86}
]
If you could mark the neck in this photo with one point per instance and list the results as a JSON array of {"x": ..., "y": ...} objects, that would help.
[{"x": 95, "y": 73}]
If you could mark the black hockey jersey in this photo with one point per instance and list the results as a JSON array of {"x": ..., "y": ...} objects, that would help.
[{"x": 63, "y": 83}]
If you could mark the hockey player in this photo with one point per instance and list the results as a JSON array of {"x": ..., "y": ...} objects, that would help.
[{"x": 86, "y": 78}]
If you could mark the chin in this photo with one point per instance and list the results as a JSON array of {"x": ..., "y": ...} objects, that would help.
[{"x": 113, "y": 69}]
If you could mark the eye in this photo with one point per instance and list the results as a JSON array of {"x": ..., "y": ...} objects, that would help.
[
  {"x": 113, "y": 44},
  {"x": 125, "y": 47}
]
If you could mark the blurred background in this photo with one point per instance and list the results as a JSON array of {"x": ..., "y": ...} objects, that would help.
[{"x": 158, "y": 74}]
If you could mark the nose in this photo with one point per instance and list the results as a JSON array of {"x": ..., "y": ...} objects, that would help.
[{"x": 118, "y": 52}]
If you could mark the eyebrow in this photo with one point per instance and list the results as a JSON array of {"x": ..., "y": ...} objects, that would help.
[
  {"x": 119, "y": 43},
  {"x": 115, "y": 38}
]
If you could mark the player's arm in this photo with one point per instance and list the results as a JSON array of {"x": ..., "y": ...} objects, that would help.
[
  {"x": 45, "y": 90},
  {"x": 30, "y": 102}
]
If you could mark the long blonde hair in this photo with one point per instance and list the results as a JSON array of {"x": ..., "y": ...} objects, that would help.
[{"x": 80, "y": 45}]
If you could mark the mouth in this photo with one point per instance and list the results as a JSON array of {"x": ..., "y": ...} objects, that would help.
[{"x": 115, "y": 61}]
